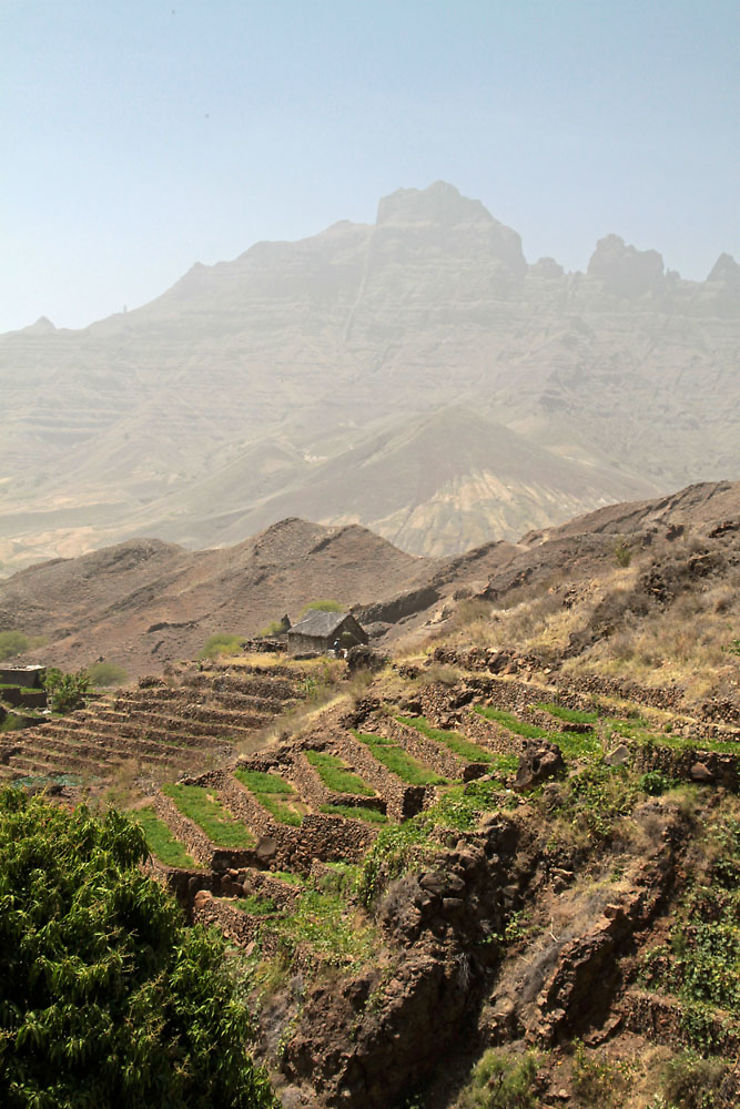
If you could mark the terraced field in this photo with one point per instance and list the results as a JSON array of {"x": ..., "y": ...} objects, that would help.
[
  {"x": 162, "y": 728},
  {"x": 311, "y": 809}
]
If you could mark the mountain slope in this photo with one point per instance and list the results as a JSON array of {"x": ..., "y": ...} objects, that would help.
[{"x": 295, "y": 354}]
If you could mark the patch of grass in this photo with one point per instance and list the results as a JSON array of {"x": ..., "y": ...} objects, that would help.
[
  {"x": 289, "y": 877},
  {"x": 337, "y": 776},
  {"x": 356, "y": 812},
  {"x": 284, "y": 814},
  {"x": 455, "y": 742},
  {"x": 261, "y": 781},
  {"x": 222, "y": 829},
  {"x": 573, "y": 745},
  {"x": 403, "y": 765},
  {"x": 267, "y": 788},
  {"x": 254, "y": 905},
  {"x": 325, "y": 922},
  {"x": 571, "y": 716},
  {"x": 160, "y": 840}
]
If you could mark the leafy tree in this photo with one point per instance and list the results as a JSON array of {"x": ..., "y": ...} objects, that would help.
[
  {"x": 66, "y": 691},
  {"x": 107, "y": 999}
]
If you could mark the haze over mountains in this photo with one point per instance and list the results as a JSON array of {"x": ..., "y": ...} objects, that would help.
[{"x": 417, "y": 376}]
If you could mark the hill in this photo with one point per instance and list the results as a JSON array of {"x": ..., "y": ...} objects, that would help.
[
  {"x": 499, "y": 395},
  {"x": 143, "y": 603}
]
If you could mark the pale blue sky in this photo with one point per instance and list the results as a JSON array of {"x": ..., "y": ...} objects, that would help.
[{"x": 139, "y": 138}]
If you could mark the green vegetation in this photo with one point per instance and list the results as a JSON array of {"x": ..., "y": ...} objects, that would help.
[
  {"x": 160, "y": 840},
  {"x": 336, "y": 775},
  {"x": 570, "y": 716},
  {"x": 595, "y": 799},
  {"x": 274, "y": 628},
  {"x": 573, "y": 745},
  {"x": 356, "y": 812},
  {"x": 402, "y": 846},
  {"x": 105, "y": 675},
  {"x": 260, "y": 781},
  {"x": 222, "y": 829},
  {"x": 13, "y": 643},
  {"x": 255, "y": 905},
  {"x": 328, "y": 925},
  {"x": 267, "y": 788},
  {"x": 288, "y": 876},
  {"x": 222, "y": 643},
  {"x": 502, "y": 1080},
  {"x": 12, "y": 723},
  {"x": 393, "y": 756},
  {"x": 700, "y": 964},
  {"x": 456, "y": 743},
  {"x": 322, "y": 606},
  {"x": 691, "y": 1082},
  {"x": 66, "y": 692},
  {"x": 106, "y": 996},
  {"x": 622, "y": 554}
]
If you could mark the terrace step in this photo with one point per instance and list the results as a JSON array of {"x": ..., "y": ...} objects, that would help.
[{"x": 110, "y": 741}]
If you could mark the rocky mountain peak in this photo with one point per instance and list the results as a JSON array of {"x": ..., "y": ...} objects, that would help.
[
  {"x": 623, "y": 269},
  {"x": 438, "y": 203},
  {"x": 726, "y": 269}
]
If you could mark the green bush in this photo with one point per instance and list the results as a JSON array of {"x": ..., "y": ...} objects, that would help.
[
  {"x": 623, "y": 554},
  {"x": 222, "y": 643},
  {"x": 654, "y": 782},
  {"x": 104, "y": 675},
  {"x": 690, "y": 1082},
  {"x": 13, "y": 643},
  {"x": 106, "y": 996},
  {"x": 322, "y": 606},
  {"x": 502, "y": 1080}
]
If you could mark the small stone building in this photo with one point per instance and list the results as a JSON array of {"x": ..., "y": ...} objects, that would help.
[
  {"x": 30, "y": 677},
  {"x": 319, "y": 632}
]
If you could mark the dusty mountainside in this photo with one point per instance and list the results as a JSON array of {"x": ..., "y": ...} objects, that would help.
[
  {"x": 143, "y": 603},
  {"x": 499, "y": 870},
  {"x": 497, "y": 395}
]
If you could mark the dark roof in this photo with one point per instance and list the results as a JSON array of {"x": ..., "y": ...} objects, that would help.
[{"x": 320, "y": 624}]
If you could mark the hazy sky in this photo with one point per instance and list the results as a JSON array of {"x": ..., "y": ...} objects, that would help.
[{"x": 139, "y": 138}]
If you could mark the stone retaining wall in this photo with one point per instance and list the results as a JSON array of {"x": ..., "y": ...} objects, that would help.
[
  {"x": 690, "y": 764},
  {"x": 659, "y": 1018},
  {"x": 434, "y": 755}
]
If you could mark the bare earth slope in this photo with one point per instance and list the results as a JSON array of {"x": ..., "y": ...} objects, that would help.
[
  {"x": 144, "y": 602},
  {"x": 497, "y": 395}
]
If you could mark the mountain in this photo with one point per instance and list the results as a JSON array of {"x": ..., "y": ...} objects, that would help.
[{"x": 416, "y": 375}]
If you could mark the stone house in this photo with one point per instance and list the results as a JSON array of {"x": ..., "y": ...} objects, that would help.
[{"x": 320, "y": 632}]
